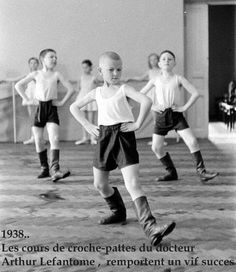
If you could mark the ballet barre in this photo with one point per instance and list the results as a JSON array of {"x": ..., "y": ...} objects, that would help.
[{"x": 14, "y": 110}]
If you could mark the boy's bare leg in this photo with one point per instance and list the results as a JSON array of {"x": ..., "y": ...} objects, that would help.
[
  {"x": 154, "y": 232},
  {"x": 153, "y": 118},
  {"x": 111, "y": 196},
  {"x": 158, "y": 145},
  {"x": 131, "y": 178},
  {"x": 192, "y": 143},
  {"x": 30, "y": 110},
  {"x": 158, "y": 149},
  {"x": 53, "y": 135},
  {"x": 42, "y": 151}
]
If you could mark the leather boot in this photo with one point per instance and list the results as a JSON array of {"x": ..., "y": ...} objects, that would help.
[
  {"x": 117, "y": 207},
  {"x": 200, "y": 167},
  {"x": 56, "y": 174},
  {"x": 43, "y": 158},
  {"x": 170, "y": 168},
  {"x": 153, "y": 232}
]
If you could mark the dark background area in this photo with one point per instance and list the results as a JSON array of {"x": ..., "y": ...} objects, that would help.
[{"x": 222, "y": 56}]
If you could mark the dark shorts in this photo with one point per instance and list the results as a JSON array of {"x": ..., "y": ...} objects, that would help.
[
  {"x": 115, "y": 149},
  {"x": 169, "y": 120},
  {"x": 45, "y": 113}
]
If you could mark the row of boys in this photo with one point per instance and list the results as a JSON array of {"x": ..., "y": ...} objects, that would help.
[{"x": 116, "y": 144}]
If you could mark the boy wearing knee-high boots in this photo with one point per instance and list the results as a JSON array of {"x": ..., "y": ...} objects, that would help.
[
  {"x": 117, "y": 145},
  {"x": 46, "y": 94},
  {"x": 169, "y": 116}
]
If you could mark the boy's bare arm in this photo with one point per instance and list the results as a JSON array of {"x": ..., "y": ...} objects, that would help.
[
  {"x": 69, "y": 89},
  {"x": 145, "y": 106},
  {"x": 192, "y": 91},
  {"x": 21, "y": 86},
  {"x": 147, "y": 87},
  {"x": 79, "y": 116}
]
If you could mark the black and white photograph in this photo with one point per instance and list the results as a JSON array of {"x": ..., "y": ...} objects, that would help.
[{"x": 117, "y": 135}]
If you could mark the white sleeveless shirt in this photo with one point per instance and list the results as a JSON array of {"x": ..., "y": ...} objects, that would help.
[
  {"x": 152, "y": 73},
  {"x": 30, "y": 90},
  {"x": 166, "y": 92},
  {"x": 46, "y": 88},
  {"x": 113, "y": 110}
]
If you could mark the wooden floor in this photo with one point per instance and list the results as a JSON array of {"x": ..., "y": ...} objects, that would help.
[{"x": 67, "y": 212}]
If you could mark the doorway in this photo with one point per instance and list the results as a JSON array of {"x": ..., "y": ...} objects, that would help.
[
  {"x": 221, "y": 54},
  {"x": 222, "y": 62},
  {"x": 210, "y": 60}
]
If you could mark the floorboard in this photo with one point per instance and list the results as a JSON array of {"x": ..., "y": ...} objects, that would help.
[{"x": 68, "y": 215}]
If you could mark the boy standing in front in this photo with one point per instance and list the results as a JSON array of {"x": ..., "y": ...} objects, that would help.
[{"x": 117, "y": 145}]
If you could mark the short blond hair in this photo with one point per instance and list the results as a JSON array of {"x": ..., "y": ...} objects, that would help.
[{"x": 110, "y": 55}]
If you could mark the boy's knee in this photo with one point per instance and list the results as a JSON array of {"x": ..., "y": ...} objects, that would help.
[
  {"x": 39, "y": 141},
  {"x": 99, "y": 186},
  {"x": 54, "y": 139},
  {"x": 193, "y": 142},
  {"x": 39, "y": 144},
  {"x": 157, "y": 149},
  {"x": 132, "y": 185}
]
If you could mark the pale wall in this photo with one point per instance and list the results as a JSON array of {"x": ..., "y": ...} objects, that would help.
[
  {"x": 80, "y": 29},
  {"x": 221, "y": 54}
]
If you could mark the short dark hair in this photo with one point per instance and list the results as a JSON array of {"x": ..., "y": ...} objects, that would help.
[
  {"x": 169, "y": 52},
  {"x": 43, "y": 53},
  {"x": 33, "y": 58},
  {"x": 88, "y": 62},
  {"x": 152, "y": 54}
]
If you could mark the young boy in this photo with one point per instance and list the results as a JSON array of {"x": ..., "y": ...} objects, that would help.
[
  {"x": 168, "y": 116},
  {"x": 117, "y": 145},
  {"x": 46, "y": 93}
]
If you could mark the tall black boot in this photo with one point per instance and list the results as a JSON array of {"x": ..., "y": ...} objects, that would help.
[
  {"x": 56, "y": 174},
  {"x": 154, "y": 232},
  {"x": 117, "y": 207},
  {"x": 170, "y": 168},
  {"x": 200, "y": 167},
  {"x": 43, "y": 158}
]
